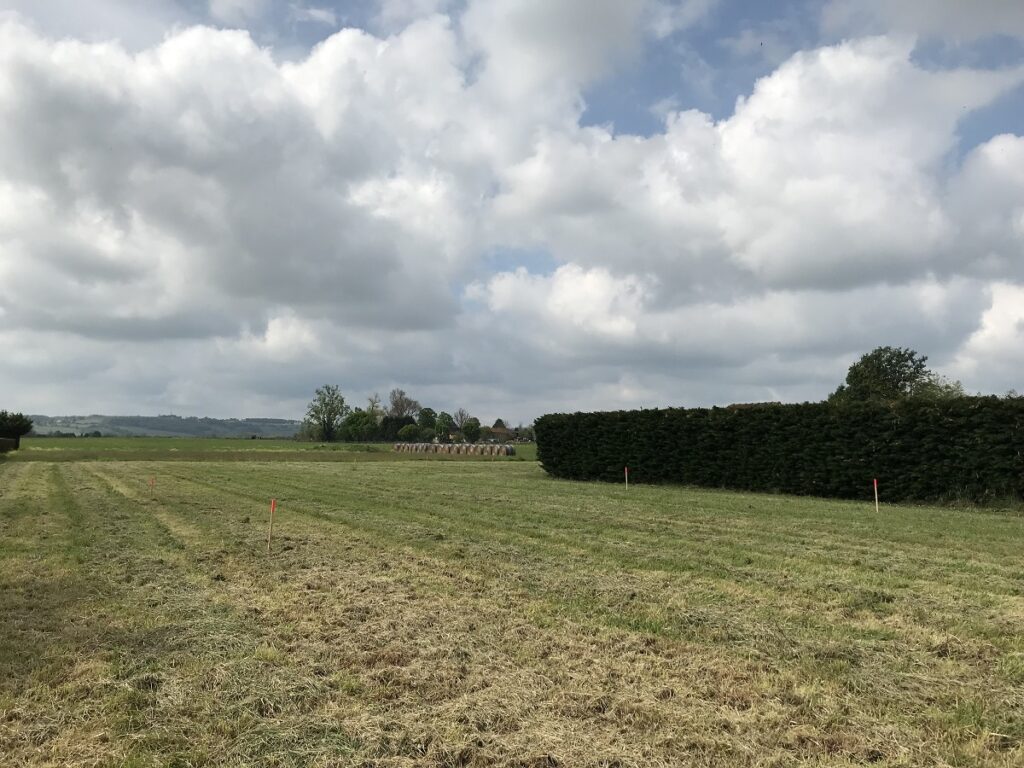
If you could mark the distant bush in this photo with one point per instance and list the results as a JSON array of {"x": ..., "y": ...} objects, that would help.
[
  {"x": 7, "y": 444},
  {"x": 14, "y": 426},
  {"x": 970, "y": 448},
  {"x": 410, "y": 433}
]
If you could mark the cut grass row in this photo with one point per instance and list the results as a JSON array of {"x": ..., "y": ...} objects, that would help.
[
  {"x": 225, "y": 449},
  {"x": 480, "y": 613}
]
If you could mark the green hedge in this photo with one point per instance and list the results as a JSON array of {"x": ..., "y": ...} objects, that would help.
[{"x": 968, "y": 448}]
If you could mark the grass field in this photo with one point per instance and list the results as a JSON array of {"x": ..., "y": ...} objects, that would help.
[
  {"x": 472, "y": 613},
  {"x": 220, "y": 449}
]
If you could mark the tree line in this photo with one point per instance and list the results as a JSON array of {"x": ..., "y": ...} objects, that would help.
[
  {"x": 330, "y": 419},
  {"x": 14, "y": 426},
  {"x": 892, "y": 419}
]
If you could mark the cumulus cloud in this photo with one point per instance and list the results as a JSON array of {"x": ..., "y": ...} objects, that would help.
[
  {"x": 951, "y": 19},
  {"x": 200, "y": 226}
]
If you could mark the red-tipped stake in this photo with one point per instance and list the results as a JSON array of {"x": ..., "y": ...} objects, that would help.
[
  {"x": 270, "y": 533},
  {"x": 627, "y": 478},
  {"x": 876, "y": 495},
  {"x": 152, "y": 486}
]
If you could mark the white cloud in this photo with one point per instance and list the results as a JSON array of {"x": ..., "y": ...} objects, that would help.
[
  {"x": 397, "y": 14},
  {"x": 666, "y": 17},
  {"x": 995, "y": 353},
  {"x": 200, "y": 226},
  {"x": 315, "y": 15},
  {"x": 951, "y": 19}
]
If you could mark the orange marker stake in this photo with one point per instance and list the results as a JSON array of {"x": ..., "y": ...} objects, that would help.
[
  {"x": 152, "y": 487},
  {"x": 270, "y": 533},
  {"x": 627, "y": 478},
  {"x": 876, "y": 495}
]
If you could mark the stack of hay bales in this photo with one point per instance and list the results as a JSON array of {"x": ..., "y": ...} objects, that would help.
[{"x": 456, "y": 449}]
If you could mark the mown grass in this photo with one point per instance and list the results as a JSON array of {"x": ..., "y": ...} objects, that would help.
[
  {"x": 224, "y": 449},
  {"x": 453, "y": 613}
]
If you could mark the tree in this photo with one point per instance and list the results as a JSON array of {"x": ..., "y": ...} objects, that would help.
[
  {"x": 460, "y": 418},
  {"x": 427, "y": 418},
  {"x": 391, "y": 425},
  {"x": 373, "y": 407},
  {"x": 360, "y": 427},
  {"x": 443, "y": 426},
  {"x": 326, "y": 412},
  {"x": 410, "y": 433},
  {"x": 498, "y": 424},
  {"x": 887, "y": 374},
  {"x": 401, "y": 404},
  {"x": 471, "y": 429},
  {"x": 14, "y": 426},
  {"x": 525, "y": 433}
]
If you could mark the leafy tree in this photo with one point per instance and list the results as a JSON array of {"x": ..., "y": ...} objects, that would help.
[
  {"x": 427, "y": 418},
  {"x": 460, "y": 417},
  {"x": 525, "y": 433},
  {"x": 427, "y": 434},
  {"x": 887, "y": 374},
  {"x": 471, "y": 429},
  {"x": 307, "y": 432},
  {"x": 444, "y": 426},
  {"x": 14, "y": 426},
  {"x": 390, "y": 425},
  {"x": 326, "y": 412},
  {"x": 373, "y": 407},
  {"x": 941, "y": 388},
  {"x": 360, "y": 426},
  {"x": 401, "y": 404},
  {"x": 498, "y": 424},
  {"x": 410, "y": 433}
]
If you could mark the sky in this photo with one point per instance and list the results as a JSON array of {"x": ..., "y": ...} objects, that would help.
[{"x": 212, "y": 207}]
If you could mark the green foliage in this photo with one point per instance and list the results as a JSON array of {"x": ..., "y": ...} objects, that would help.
[
  {"x": 427, "y": 419},
  {"x": 471, "y": 429},
  {"x": 360, "y": 426},
  {"x": 410, "y": 433},
  {"x": 887, "y": 374},
  {"x": 970, "y": 448},
  {"x": 427, "y": 434},
  {"x": 13, "y": 426},
  {"x": 390, "y": 426},
  {"x": 326, "y": 412},
  {"x": 307, "y": 432},
  {"x": 498, "y": 424},
  {"x": 444, "y": 426}
]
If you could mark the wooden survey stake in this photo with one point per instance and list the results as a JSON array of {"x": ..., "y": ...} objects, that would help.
[{"x": 270, "y": 533}]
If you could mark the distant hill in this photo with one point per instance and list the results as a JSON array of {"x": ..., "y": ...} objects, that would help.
[{"x": 164, "y": 426}]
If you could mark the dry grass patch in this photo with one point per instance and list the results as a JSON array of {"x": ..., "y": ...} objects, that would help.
[{"x": 443, "y": 614}]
